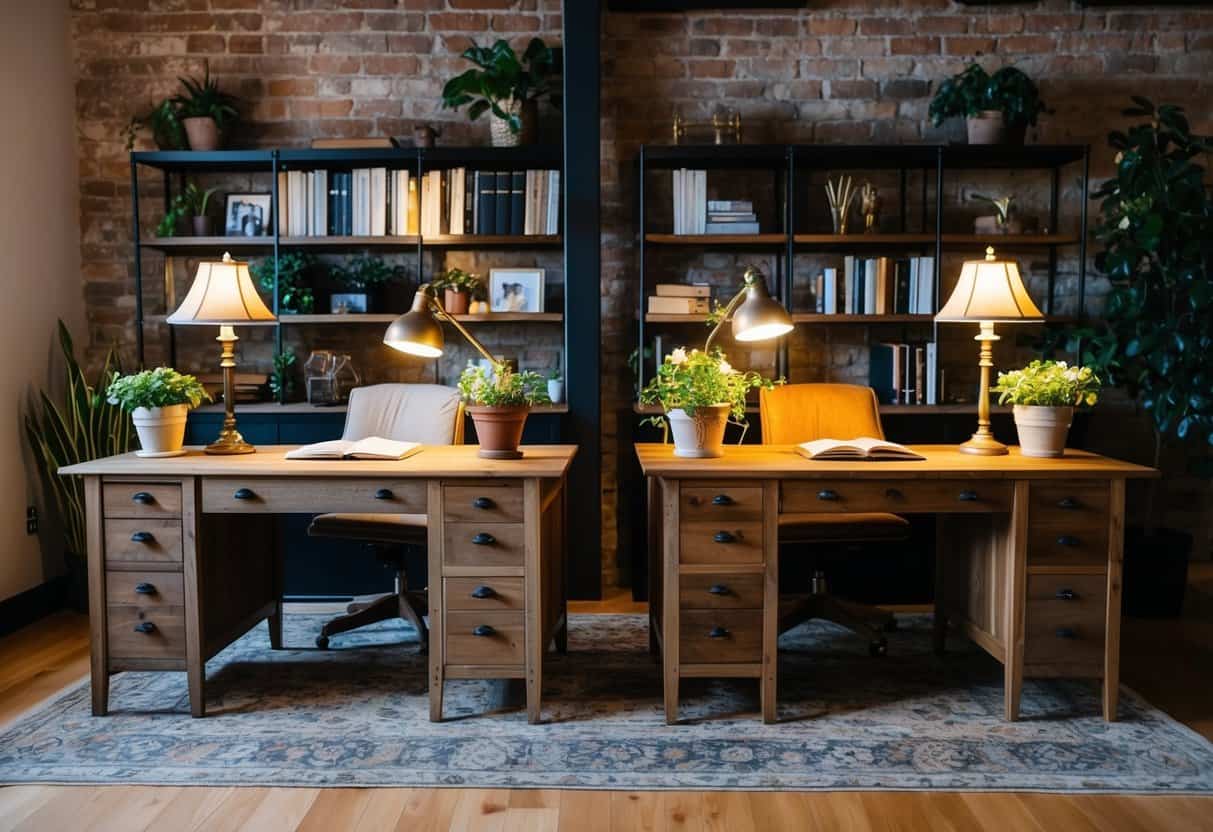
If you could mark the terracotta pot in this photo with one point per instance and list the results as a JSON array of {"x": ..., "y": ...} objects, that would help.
[
  {"x": 500, "y": 129},
  {"x": 203, "y": 132},
  {"x": 699, "y": 436},
  {"x": 202, "y": 226},
  {"x": 1042, "y": 430},
  {"x": 990, "y": 127},
  {"x": 499, "y": 430},
  {"x": 161, "y": 429},
  {"x": 455, "y": 301}
]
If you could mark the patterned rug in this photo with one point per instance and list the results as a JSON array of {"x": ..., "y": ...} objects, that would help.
[{"x": 356, "y": 715}]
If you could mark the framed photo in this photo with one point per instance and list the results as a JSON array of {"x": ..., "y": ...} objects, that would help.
[
  {"x": 516, "y": 290},
  {"x": 246, "y": 215},
  {"x": 348, "y": 303}
]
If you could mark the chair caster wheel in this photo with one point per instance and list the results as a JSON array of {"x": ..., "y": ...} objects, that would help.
[
  {"x": 879, "y": 647},
  {"x": 322, "y": 641}
]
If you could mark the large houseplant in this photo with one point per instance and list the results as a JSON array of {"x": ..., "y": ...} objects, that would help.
[
  {"x": 700, "y": 393},
  {"x": 997, "y": 108},
  {"x": 499, "y": 400},
  {"x": 1043, "y": 396},
  {"x": 508, "y": 87},
  {"x": 159, "y": 401},
  {"x": 204, "y": 111}
]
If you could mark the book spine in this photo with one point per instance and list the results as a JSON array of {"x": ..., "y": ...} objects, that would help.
[
  {"x": 501, "y": 202},
  {"x": 517, "y": 203},
  {"x": 488, "y": 202}
]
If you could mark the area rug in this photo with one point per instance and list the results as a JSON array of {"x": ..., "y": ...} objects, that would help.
[{"x": 356, "y": 715}]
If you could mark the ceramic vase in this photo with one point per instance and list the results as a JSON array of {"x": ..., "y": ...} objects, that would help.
[
  {"x": 1042, "y": 430},
  {"x": 700, "y": 436},
  {"x": 161, "y": 430},
  {"x": 203, "y": 132},
  {"x": 555, "y": 390},
  {"x": 990, "y": 127}
]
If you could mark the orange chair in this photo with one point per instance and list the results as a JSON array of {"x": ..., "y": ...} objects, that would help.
[{"x": 795, "y": 413}]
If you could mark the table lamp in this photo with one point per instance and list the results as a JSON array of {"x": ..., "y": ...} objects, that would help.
[
  {"x": 222, "y": 294},
  {"x": 756, "y": 315},
  {"x": 987, "y": 292},
  {"x": 418, "y": 331}
]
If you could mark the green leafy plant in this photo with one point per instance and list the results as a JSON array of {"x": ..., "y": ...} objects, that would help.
[
  {"x": 1004, "y": 206},
  {"x": 457, "y": 280},
  {"x": 83, "y": 426},
  {"x": 366, "y": 272},
  {"x": 192, "y": 201},
  {"x": 695, "y": 379},
  {"x": 167, "y": 131},
  {"x": 204, "y": 99},
  {"x": 503, "y": 81},
  {"x": 1048, "y": 384},
  {"x": 295, "y": 272},
  {"x": 974, "y": 90},
  {"x": 502, "y": 387},
  {"x": 282, "y": 379},
  {"x": 161, "y": 387}
]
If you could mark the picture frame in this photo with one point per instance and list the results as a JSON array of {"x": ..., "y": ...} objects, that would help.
[
  {"x": 516, "y": 290},
  {"x": 348, "y": 303},
  {"x": 247, "y": 215}
]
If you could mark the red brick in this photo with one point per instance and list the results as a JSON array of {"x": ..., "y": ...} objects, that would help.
[
  {"x": 968, "y": 46},
  {"x": 831, "y": 25},
  {"x": 515, "y": 23},
  {"x": 247, "y": 44},
  {"x": 914, "y": 46},
  {"x": 482, "y": 4},
  {"x": 292, "y": 86},
  {"x": 949, "y": 24},
  {"x": 739, "y": 25},
  {"x": 205, "y": 43},
  {"x": 390, "y": 65},
  {"x": 321, "y": 107},
  {"x": 886, "y": 26},
  {"x": 463, "y": 22},
  {"x": 711, "y": 69},
  {"x": 1026, "y": 45}
]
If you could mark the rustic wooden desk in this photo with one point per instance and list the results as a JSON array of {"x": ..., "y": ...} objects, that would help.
[
  {"x": 1028, "y": 555},
  {"x": 181, "y": 561}
]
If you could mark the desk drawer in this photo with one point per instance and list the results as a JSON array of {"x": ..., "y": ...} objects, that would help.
[
  {"x": 1062, "y": 546},
  {"x": 720, "y": 504},
  {"x": 720, "y": 637},
  {"x": 296, "y": 495},
  {"x": 904, "y": 496},
  {"x": 151, "y": 632},
  {"x": 1064, "y": 621},
  {"x": 141, "y": 499},
  {"x": 143, "y": 541},
  {"x": 485, "y": 638},
  {"x": 705, "y": 541},
  {"x": 495, "y": 503},
  {"x": 720, "y": 591},
  {"x": 145, "y": 590},
  {"x": 490, "y": 593},
  {"x": 482, "y": 544},
  {"x": 1076, "y": 505}
]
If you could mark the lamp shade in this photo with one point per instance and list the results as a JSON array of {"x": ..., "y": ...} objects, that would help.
[
  {"x": 989, "y": 290},
  {"x": 222, "y": 293},
  {"x": 416, "y": 332},
  {"x": 760, "y": 317}
]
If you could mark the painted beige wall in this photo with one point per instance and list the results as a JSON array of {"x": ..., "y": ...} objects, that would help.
[{"x": 39, "y": 256}]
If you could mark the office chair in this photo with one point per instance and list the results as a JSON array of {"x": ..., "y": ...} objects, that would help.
[
  {"x": 795, "y": 413},
  {"x": 425, "y": 413}
]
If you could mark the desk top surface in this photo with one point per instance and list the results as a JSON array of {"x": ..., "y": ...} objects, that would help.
[
  {"x": 544, "y": 461},
  {"x": 942, "y": 461}
]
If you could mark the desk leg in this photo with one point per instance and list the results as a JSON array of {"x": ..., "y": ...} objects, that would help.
[
  {"x": 1015, "y": 600},
  {"x": 1116, "y": 545},
  {"x": 532, "y": 500},
  {"x": 561, "y": 561},
  {"x": 191, "y": 540},
  {"x": 768, "y": 682},
  {"x": 940, "y": 622},
  {"x": 669, "y": 597},
  {"x": 98, "y": 625},
  {"x": 655, "y": 560},
  {"x": 437, "y": 625}
]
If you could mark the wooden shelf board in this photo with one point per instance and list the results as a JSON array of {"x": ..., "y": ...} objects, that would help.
[
  {"x": 307, "y": 409},
  {"x": 815, "y": 318},
  {"x": 387, "y": 318},
  {"x": 217, "y": 243},
  {"x": 949, "y": 240},
  {"x": 512, "y": 317},
  {"x": 667, "y": 318},
  {"x": 493, "y": 240},
  {"x": 717, "y": 239}
]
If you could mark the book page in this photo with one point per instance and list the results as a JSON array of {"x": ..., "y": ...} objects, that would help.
[
  {"x": 376, "y": 447},
  {"x": 332, "y": 449}
]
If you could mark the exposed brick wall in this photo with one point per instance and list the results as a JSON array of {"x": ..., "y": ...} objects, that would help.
[{"x": 842, "y": 71}]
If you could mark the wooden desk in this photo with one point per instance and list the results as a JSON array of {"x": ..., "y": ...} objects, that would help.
[
  {"x": 1028, "y": 555},
  {"x": 181, "y": 558}
]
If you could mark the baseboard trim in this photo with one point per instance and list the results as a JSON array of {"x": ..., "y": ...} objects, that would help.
[{"x": 32, "y": 605}]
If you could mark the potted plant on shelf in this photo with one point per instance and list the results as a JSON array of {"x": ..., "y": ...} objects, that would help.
[
  {"x": 368, "y": 276},
  {"x": 997, "y": 108},
  {"x": 167, "y": 132},
  {"x": 499, "y": 400},
  {"x": 204, "y": 111},
  {"x": 159, "y": 401},
  {"x": 295, "y": 272},
  {"x": 507, "y": 87},
  {"x": 1043, "y": 396},
  {"x": 458, "y": 287},
  {"x": 700, "y": 393},
  {"x": 556, "y": 387},
  {"x": 1004, "y": 220}
]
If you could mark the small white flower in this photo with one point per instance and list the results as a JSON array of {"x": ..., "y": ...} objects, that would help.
[
  {"x": 725, "y": 367},
  {"x": 678, "y": 356},
  {"x": 1123, "y": 224}
]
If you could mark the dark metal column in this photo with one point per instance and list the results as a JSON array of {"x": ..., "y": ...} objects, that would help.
[{"x": 138, "y": 262}]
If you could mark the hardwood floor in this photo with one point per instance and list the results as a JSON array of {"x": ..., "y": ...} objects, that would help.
[{"x": 1169, "y": 662}]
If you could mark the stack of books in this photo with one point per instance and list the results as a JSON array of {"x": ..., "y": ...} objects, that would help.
[
  {"x": 878, "y": 286},
  {"x": 364, "y": 202},
  {"x": 513, "y": 203},
  {"x": 690, "y": 201},
  {"x": 681, "y": 299},
  {"x": 904, "y": 373},
  {"x": 731, "y": 217}
]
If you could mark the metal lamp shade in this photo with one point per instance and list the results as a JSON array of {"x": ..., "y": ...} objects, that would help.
[
  {"x": 222, "y": 293},
  {"x": 989, "y": 290},
  {"x": 760, "y": 317},
  {"x": 416, "y": 332}
]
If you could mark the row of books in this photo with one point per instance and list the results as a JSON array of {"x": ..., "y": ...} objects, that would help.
[
  {"x": 904, "y": 373},
  {"x": 731, "y": 217},
  {"x": 681, "y": 299},
  {"x": 877, "y": 286}
]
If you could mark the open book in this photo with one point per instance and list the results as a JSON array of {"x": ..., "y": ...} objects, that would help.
[
  {"x": 373, "y": 447},
  {"x": 865, "y": 447}
]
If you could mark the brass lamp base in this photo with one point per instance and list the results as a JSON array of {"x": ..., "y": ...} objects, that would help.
[
  {"x": 982, "y": 442},
  {"x": 983, "y": 445},
  {"x": 230, "y": 441}
]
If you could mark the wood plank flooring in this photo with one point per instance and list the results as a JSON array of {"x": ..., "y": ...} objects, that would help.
[{"x": 1169, "y": 662}]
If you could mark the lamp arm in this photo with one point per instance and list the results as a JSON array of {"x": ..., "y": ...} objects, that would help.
[
  {"x": 443, "y": 315},
  {"x": 728, "y": 310}
]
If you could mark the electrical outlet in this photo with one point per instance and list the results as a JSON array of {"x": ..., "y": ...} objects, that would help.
[{"x": 31, "y": 520}]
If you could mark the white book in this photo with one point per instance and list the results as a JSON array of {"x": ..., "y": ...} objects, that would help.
[
  {"x": 869, "y": 287},
  {"x": 528, "y": 219},
  {"x": 684, "y": 290},
  {"x": 677, "y": 191},
  {"x": 829, "y": 304},
  {"x": 378, "y": 202},
  {"x": 356, "y": 187},
  {"x": 926, "y": 287},
  {"x": 372, "y": 447},
  {"x": 701, "y": 201},
  {"x": 402, "y": 211},
  {"x": 322, "y": 203},
  {"x": 865, "y": 447},
  {"x": 553, "y": 201},
  {"x": 458, "y": 177},
  {"x": 848, "y": 284},
  {"x": 932, "y": 372}
]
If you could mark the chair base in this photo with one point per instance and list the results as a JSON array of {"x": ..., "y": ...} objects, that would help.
[
  {"x": 407, "y": 605},
  {"x": 859, "y": 618}
]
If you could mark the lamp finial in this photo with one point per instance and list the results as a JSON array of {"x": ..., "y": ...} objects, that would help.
[
  {"x": 227, "y": 257},
  {"x": 989, "y": 252}
]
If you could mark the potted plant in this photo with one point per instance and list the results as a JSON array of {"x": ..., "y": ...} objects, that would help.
[
  {"x": 458, "y": 288},
  {"x": 167, "y": 132},
  {"x": 282, "y": 377},
  {"x": 295, "y": 270},
  {"x": 204, "y": 111},
  {"x": 700, "y": 393},
  {"x": 1004, "y": 220},
  {"x": 499, "y": 400},
  {"x": 368, "y": 276},
  {"x": 80, "y": 427},
  {"x": 192, "y": 202},
  {"x": 507, "y": 87},
  {"x": 1043, "y": 396},
  {"x": 556, "y": 387},
  {"x": 997, "y": 108},
  {"x": 159, "y": 401}
]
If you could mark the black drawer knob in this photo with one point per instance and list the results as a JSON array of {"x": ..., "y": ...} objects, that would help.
[
  {"x": 143, "y": 498},
  {"x": 483, "y": 630},
  {"x": 142, "y": 537},
  {"x": 967, "y": 496},
  {"x": 1068, "y": 540},
  {"x": 893, "y": 493},
  {"x": 384, "y": 494},
  {"x": 483, "y": 503},
  {"x": 718, "y": 632},
  {"x": 483, "y": 592},
  {"x": 244, "y": 494},
  {"x": 724, "y": 537},
  {"x": 1068, "y": 503},
  {"x": 145, "y": 589},
  {"x": 722, "y": 500},
  {"x": 145, "y": 627},
  {"x": 718, "y": 589},
  {"x": 483, "y": 539},
  {"x": 1066, "y": 632},
  {"x": 1066, "y": 595},
  {"x": 827, "y": 494}
]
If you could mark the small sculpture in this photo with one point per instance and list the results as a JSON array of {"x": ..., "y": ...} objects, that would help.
[
  {"x": 840, "y": 197},
  {"x": 1005, "y": 220},
  {"x": 869, "y": 204}
]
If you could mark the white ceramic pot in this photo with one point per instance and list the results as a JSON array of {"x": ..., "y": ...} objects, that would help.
[
  {"x": 161, "y": 429},
  {"x": 699, "y": 436},
  {"x": 1042, "y": 430},
  {"x": 555, "y": 390}
]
